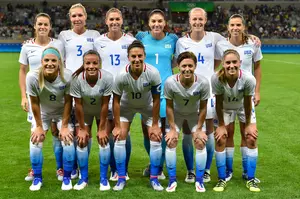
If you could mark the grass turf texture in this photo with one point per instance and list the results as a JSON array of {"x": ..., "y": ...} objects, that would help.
[{"x": 278, "y": 164}]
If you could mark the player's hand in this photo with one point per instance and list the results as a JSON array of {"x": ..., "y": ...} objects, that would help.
[
  {"x": 251, "y": 130},
  {"x": 102, "y": 138},
  {"x": 66, "y": 135},
  {"x": 256, "y": 99},
  {"x": 82, "y": 137},
  {"x": 256, "y": 40},
  {"x": 220, "y": 132},
  {"x": 155, "y": 131},
  {"x": 116, "y": 133},
  {"x": 200, "y": 136},
  {"x": 24, "y": 104},
  {"x": 171, "y": 137},
  {"x": 38, "y": 135}
]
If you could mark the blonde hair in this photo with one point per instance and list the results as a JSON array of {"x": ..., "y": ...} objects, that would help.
[
  {"x": 221, "y": 72},
  {"x": 113, "y": 10},
  {"x": 78, "y": 5},
  {"x": 198, "y": 9},
  {"x": 41, "y": 77}
]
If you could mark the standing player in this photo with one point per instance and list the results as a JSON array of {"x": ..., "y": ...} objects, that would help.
[
  {"x": 249, "y": 54},
  {"x": 30, "y": 57},
  {"x": 112, "y": 47},
  {"x": 160, "y": 47},
  {"x": 77, "y": 41},
  {"x": 91, "y": 89},
  {"x": 202, "y": 44},
  {"x": 186, "y": 95},
  {"x": 48, "y": 89},
  {"x": 234, "y": 90},
  {"x": 137, "y": 90}
]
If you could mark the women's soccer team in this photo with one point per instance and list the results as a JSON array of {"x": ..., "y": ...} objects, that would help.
[{"x": 82, "y": 76}]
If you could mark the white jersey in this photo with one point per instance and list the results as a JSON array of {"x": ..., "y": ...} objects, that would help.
[
  {"x": 187, "y": 100},
  {"x": 249, "y": 53},
  {"x": 137, "y": 93},
  {"x": 233, "y": 98},
  {"x": 92, "y": 96},
  {"x": 76, "y": 45},
  {"x": 113, "y": 53},
  {"x": 31, "y": 53},
  {"x": 52, "y": 96},
  {"x": 204, "y": 51}
]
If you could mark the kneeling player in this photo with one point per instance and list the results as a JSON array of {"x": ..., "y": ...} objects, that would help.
[{"x": 186, "y": 93}]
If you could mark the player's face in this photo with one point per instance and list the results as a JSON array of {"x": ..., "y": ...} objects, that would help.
[
  {"x": 114, "y": 22},
  {"x": 50, "y": 63},
  {"x": 77, "y": 18},
  {"x": 42, "y": 26},
  {"x": 91, "y": 64},
  {"x": 187, "y": 68},
  {"x": 136, "y": 57},
  {"x": 157, "y": 23},
  {"x": 236, "y": 27},
  {"x": 197, "y": 20},
  {"x": 231, "y": 64}
]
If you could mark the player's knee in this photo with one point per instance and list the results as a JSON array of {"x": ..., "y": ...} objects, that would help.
[
  {"x": 250, "y": 140},
  {"x": 154, "y": 138},
  {"x": 221, "y": 142},
  {"x": 199, "y": 144},
  {"x": 173, "y": 143}
]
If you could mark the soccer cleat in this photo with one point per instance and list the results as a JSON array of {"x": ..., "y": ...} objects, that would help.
[
  {"x": 74, "y": 174},
  {"x": 60, "y": 174},
  {"x": 156, "y": 185},
  {"x": 120, "y": 185},
  {"x": 36, "y": 184},
  {"x": 200, "y": 187},
  {"x": 252, "y": 186},
  {"x": 245, "y": 177},
  {"x": 206, "y": 176},
  {"x": 81, "y": 184},
  {"x": 127, "y": 176},
  {"x": 190, "y": 177},
  {"x": 172, "y": 187},
  {"x": 29, "y": 176},
  {"x": 161, "y": 176},
  {"x": 228, "y": 176},
  {"x": 146, "y": 171},
  {"x": 104, "y": 185},
  {"x": 220, "y": 186},
  {"x": 66, "y": 184},
  {"x": 113, "y": 176}
]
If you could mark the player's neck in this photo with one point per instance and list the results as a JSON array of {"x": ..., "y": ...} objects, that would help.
[
  {"x": 135, "y": 74},
  {"x": 236, "y": 41},
  {"x": 186, "y": 82},
  {"x": 42, "y": 41},
  {"x": 92, "y": 80},
  {"x": 51, "y": 77},
  {"x": 231, "y": 81},
  {"x": 158, "y": 36},
  {"x": 114, "y": 35},
  {"x": 79, "y": 31},
  {"x": 197, "y": 36}
]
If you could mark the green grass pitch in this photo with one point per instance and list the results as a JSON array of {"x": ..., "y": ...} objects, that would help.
[{"x": 279, "y": 149}]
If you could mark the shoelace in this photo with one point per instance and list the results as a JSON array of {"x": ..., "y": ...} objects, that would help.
[
  {"x": 252, "y": 183},
  {"x": 191, "y": 175},
  {"x": 221, "y": 183},
  {"x": 206, "y": 175}
]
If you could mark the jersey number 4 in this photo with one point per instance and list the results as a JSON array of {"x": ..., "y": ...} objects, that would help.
[{"x": 200, "y": 58}]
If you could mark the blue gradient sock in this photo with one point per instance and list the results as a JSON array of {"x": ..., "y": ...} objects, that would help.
[
  {"x": 155, "y": 158},
  {"x": 58, "y": 152},
  {"x": 104, "y": 157},
  {"x": 229, "y": 158},
  {"x": 188, "y": 151},
  {"x": 244, "y": 158},
  {"x": 252, "y": 160},
  {"x": 163, "y": 154},
  {"x": 68, "y": 158},
  {"x": 171, "y": 162},
  {"x": 83, "y": 161},
  {"x": 210, "y": 148},
  {"x": 36, "y": 158},
  {"x": 221, "y": 164},
  {"x": 112, "y": 162},
  {"x": 201, "y": 157},
  {"x": 120, "y": 156}
]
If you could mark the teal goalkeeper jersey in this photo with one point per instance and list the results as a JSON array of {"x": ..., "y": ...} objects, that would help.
[{"x": 159, "y": 53}]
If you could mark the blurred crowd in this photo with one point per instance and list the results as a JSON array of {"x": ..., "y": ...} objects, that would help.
[{"x": 274, "y": 22}]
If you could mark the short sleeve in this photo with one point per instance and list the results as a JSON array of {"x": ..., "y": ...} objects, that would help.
[
  {"x": 109, "y": 84},
  {"x": 118, "y": 85},
  {"x": 205, "y": 89},
  {"x": 32, "y": 84},
  {"x": 168, "y": 89},
  {"x": 217, "y": 87},
  {"x": 23, "y": 56},
  {"x": 75, "y": 89},
  {"x": 250, "y": 84}
]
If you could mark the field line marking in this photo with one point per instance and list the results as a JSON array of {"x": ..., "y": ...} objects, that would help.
[{"x": 280, "y": 61}]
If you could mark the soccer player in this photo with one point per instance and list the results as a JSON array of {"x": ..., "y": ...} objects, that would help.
[
  {"x": 187, "y": 95},
  {"x": 48, "y": 89},
  {"x": 202, "y": 43},
  {"x": 137, "y": 90},
  {"x": 250, "y": 55},
  {"x": 77, "y": 41},
  {"x": 112, "y": 47},
  {"x": 91, "y": 89},
  {"x": 234, "y": 90},
  {"x": 30, "y": 58},
  {"x": 160, "y": 47}
]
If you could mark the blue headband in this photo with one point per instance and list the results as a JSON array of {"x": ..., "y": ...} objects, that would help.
[{"x": 51, "y": 51}]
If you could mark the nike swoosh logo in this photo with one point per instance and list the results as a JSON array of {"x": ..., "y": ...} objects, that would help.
[
  {"x": 102, "y": 46},
  {"x": 186, "y": 48},
  {"x": 68, "y": 40}
]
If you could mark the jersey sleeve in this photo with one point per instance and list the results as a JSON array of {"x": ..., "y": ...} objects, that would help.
[
  {"x": 62, "y": 38},
  {"x": 257, "y": 54},
  {"x": 179, "y": 48},
  {"x": 60, "y": 46},
  {"x": 250, "y": 84},
  {"x": 68, "y": 79},
  {"x": 75, "y": 90},
  {"x": 140, "y": 35},
  {"x": 23, "y": 56},
  {"x": 217, "y": 87},
  {"x": 109, "y": 84},
  {"x": 168, "y": 89},
  {"x": 118, "y": 85},
  {"x": 32, "y": 84},
  {"x": 218, "y": 51},
  {"x": 205, "y": 89},
  {"x": 156, "y": 80}
]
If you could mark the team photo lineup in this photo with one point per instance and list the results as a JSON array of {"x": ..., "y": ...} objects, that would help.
[{"x": 194, "y": 86}]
